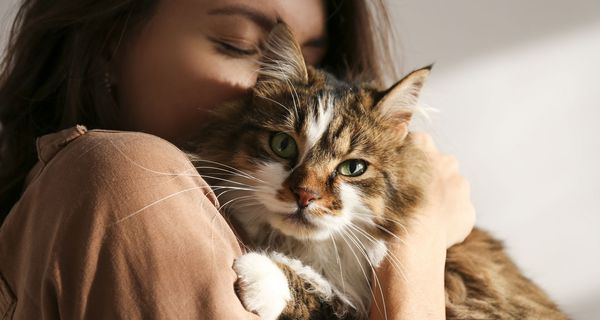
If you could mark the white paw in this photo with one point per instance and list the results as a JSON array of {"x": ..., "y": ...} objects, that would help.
[{"x": 262, "y": 286}]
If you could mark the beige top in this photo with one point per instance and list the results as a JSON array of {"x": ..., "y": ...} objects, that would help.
[{"x": 116, "y": 225}]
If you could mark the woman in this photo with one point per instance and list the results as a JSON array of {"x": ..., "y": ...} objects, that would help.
[{"x": 112, "y": 224}]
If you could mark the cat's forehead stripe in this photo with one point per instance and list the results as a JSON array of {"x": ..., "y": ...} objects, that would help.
[{"x": 319, "y": 121}]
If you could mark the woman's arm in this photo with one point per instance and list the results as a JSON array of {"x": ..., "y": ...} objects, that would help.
[
  {"x": 417, "y": 291},
  {"x": 119, "y": 226}
]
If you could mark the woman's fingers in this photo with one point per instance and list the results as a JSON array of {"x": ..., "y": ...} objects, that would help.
[
  {"x": 449, "y": 209},
  {"x": 424, "y": 141}
]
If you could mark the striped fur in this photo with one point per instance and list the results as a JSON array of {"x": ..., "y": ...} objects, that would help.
[{"x": 328, "y": 249}]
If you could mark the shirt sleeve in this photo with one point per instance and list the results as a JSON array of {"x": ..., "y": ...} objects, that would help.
[{"x": 128, "y": 231}]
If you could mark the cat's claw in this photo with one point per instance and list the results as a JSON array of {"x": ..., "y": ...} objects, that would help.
[{"x": 262, "y": 286}]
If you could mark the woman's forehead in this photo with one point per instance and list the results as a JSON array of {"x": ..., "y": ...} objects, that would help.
[{"x": 306, "y": 18}]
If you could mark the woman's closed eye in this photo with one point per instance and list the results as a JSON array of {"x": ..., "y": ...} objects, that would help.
[{"x": 234, "y": 48}]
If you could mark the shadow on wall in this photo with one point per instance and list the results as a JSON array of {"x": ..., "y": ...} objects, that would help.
[
  {"x": 461, "y": 30},
  {"x": 585, "y": 309},
  {"x": 8, "y": 9}
]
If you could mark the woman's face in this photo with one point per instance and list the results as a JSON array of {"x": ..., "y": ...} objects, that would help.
[{"x": 194, "y": 54}]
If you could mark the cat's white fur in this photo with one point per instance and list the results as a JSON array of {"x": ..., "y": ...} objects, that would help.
[
  {"x": 319, "y": 122},
  {"x": 271, "y": 174},
  {"x": 339, "y": 253},
  {"x": 337, "y": 258},
  {"x": 264, "y": 286}
]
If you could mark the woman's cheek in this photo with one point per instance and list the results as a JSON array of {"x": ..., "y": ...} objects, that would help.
[
  {"x": 238, "y": 73},
  {"x": 204, "y": 84}
]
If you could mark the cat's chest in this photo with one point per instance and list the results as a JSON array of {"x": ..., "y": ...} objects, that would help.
[{"x": 346, "y": 262}]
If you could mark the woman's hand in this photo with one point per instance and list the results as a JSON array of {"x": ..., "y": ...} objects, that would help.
[
  {"x": 448, "y": 211},
  {"x": 410, "y": 282}
]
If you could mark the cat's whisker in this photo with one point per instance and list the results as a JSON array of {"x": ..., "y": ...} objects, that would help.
[
  {"x": 219, "y": 187},
  {"x": 397, "y": 264},
  {"x": 221, "y": 193},
  {"x": 257, "y": 189},
  {"x": 252, "y": 76},
  {"x": 223, "y": 174},
  {"x": 239, "y": 240},
  {"x": 362, "y": 231},
  {"x": 275, "y": 66},
  {"x": 226, "y": 171},
  {"x": 229, "y": 180},
  {"x": 229, "y": 167},
  {"x": 247, "y": 203},
  {"x": 370, "y": 216},
  {"x": 295, "y": 98},
  {"x": 390, "y": 256},
  {"x": 345, "y": 234},
  {"x": 243, "y": 197},
  {"x": 232, "y": 200},
  {"x": 339, "y": 262},
  {"x": 346, "y": 237},
  {"x": 222, "y": 190},
  {"x": 135, "y": 163},
  {"x": 277, "y": 103},
  {"x": 398, "y": 222},
  {"x": 382, "y": 228},
  {"x": 361, "y": 247},
  {"x": 158, "y": 201}
]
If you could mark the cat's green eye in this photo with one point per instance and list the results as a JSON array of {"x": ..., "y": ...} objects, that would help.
[
  {"x": 352, "y": 167},
  {"x": 284, "y": 145}
]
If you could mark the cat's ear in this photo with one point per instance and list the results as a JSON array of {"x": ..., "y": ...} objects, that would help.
[
  {"x": 281, "y": 61},
  {"x": 399, "y": 101}
]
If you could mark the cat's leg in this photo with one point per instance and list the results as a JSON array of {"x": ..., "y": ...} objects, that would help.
[
  {"x": 313, "y": 296},
  {"x": 307, "y": 294},
  {"x": 261, "y": 285}
]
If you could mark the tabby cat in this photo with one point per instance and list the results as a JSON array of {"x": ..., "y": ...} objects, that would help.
[{"x": 316, "y": 174}]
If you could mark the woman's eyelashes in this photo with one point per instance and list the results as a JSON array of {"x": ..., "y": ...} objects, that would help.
[{"x": 235, "y": 50}]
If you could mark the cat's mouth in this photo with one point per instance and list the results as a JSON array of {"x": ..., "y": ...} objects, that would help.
[
  {"x": 299, "y": 217},
  {"x": 306, "y": 223}
]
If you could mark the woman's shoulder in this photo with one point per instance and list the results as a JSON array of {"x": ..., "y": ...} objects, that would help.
[
  {"x": 113, "y": 171},
  {"x": 102, "y": 152},
  {"x": 126, "y": 170}
]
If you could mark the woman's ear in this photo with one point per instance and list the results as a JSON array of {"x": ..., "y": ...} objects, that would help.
[{"x": 281, "y": 62}]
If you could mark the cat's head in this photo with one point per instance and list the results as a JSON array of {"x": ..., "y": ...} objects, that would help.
[{"x": 310, "y": 155}]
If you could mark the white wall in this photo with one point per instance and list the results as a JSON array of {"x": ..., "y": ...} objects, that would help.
[
  {"x": 517, "y": 84},
  {"x": 7, "y": 11}
]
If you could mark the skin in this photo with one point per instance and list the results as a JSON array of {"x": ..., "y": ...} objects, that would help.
[
  {"x": 184, "y": 61},
  {"x": 446, "y": 219},
  {"x": 195, "y": 54}
]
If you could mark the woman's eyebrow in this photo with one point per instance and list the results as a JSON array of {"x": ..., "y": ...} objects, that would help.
[{"x": 261, "y": 19}]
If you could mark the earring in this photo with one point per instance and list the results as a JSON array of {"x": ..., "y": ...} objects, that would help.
[{"x": 107, "y": 83}]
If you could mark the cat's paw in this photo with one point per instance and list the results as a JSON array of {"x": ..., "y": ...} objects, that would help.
[{"x": 261, "y": 285}]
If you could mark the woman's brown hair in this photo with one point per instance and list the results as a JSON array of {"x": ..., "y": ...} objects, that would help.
[{"x": 52, "y": 75}]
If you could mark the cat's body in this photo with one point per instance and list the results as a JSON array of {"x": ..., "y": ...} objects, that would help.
[
  {"x": 316, "y": 175},
  {"x": 345, "y": 265}
]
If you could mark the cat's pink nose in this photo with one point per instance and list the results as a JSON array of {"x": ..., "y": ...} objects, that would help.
[{"x": 305, "y": 197}]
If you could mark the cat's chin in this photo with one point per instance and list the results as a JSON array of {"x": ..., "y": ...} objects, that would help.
[{"x": 299, "y": 228}]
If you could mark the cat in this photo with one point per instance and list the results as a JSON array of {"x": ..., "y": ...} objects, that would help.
[{"x": 316, "y": 175}]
